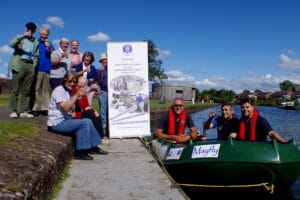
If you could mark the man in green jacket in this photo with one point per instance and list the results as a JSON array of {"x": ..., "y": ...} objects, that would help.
[{"x": 22, "y": 64}]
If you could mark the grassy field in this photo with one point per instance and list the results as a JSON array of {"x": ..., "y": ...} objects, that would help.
[{"x": 4, "y": 100}]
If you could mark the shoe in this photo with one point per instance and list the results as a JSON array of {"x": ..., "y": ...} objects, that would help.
[
  {"x": 13, "y": 115},
  {"x": 26, "y": 114},
  {"x": 82, "y": 156},
  {"x": 44, "y": 112},
  {"x": 97, "y": 150},
  {"x": 105, "y": 141},
  {"x": 35, "y": 113}
]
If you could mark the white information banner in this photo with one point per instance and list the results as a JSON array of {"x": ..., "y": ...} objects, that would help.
[{"x": 128, "y": 92}]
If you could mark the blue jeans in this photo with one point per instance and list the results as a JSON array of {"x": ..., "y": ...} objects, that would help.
[
  {"x": 103, "y": 107},
  {"x": 86, "y": 134}
]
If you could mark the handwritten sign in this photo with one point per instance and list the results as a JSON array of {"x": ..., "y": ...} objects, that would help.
[
  {"x": 206, "y": 151},
  {"x": 174, "y": 153}
]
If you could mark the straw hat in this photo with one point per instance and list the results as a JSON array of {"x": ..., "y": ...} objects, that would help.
[{"x": 102, "y": 56}]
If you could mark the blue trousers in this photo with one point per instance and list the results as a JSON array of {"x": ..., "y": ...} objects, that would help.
[
  {"x": 86, "y": 134},
  {"x": 103, "y": 107}
]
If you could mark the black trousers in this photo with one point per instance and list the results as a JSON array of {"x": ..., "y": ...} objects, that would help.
[{"x": 90, "y": 114}]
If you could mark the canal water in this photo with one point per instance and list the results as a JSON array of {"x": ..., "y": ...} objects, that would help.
[{"x": 285, "y": 122}]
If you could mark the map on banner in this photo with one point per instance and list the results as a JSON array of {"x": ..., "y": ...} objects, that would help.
[{"x": 128, "y": 92}]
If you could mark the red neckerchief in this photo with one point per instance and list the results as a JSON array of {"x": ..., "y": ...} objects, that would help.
[
  {"x": 172, "y": 121},
  {"x": 242, "y": 131}
]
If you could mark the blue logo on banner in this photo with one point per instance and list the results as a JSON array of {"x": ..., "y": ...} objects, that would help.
[{"x": 127, "y": 49}]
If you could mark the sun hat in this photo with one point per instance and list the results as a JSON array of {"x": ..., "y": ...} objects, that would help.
[{"x": 102, "y": 56}]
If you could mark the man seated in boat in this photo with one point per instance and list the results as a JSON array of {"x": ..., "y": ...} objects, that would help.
[
  {"x": 172, "y": 124},
  {"x": 227, "y": 123},
  {"x": 254, "y": 127}
]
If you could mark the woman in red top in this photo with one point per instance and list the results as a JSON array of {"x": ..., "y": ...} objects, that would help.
[{"x": 83, "y": 109}]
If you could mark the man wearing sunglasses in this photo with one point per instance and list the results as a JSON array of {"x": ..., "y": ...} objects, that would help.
[{"x": 172, "y": 124}]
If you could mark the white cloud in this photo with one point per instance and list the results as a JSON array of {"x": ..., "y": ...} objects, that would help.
[
  {"x": 250, "y": 81},
  {"x": 56, "y": 21},
  {"x": 6, "y": 50},
  {"x": 268, "y": 76},
  {"x": 176, "y": 75},
  {"x": 2, "y": 75},
  {"x": 164, "y": 53},
  {"x": 289, "y": 63},
  {"x": 98, "y": 37},
  {"x": 290, "y": 51},
  {"x": 55, "y": 43}
]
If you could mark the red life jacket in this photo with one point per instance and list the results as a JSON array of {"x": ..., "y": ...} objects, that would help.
[
  {"x": 172, "y": 121},
  {"x": 242, "y": 131}
]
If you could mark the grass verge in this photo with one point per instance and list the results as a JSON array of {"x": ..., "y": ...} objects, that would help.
[
  {"x": 57, "y": 188},
  {"x": 8, "y": 130}
]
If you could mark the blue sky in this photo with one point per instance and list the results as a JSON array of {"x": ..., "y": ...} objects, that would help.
[{"x": 221, "y": 44}]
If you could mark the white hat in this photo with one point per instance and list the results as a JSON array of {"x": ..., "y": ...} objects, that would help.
[{"x": 102, "y": 56}]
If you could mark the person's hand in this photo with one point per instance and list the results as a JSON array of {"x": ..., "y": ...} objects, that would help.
[
  {"x": 47, "y": 44},
  {"x": 65, "y": 54},
  {"x": 182, "y": 138},
  {"x": 94, "y": 86},
  {"x": 74, "y": 63},
  {"x": 233, "y": 135},
  {"x": 82, "y": 91},
  {"x": 88, "y": 108},
  {"x": 27, "y": 33},
  {"x": 97, "y": 113},
  {"x": 212, "y": 114}
]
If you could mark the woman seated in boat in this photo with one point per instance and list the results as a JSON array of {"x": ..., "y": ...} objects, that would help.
[
  {"x": 226, "y": 124},
  {"x": 172, "y": 124},
  {"x": 254, "y": 127}
]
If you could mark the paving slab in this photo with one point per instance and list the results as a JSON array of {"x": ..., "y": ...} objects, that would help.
[{"x": 128, "y": 172}]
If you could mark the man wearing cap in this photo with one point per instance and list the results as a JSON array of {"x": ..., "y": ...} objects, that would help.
[
  {"x": 22, "y": 64},
  {"x": 103, "y": 97}
]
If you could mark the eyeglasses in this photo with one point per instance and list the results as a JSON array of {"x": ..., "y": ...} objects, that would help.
[
  {"x": 71, "y": 81},
  {"x": 177, "y": 105}
]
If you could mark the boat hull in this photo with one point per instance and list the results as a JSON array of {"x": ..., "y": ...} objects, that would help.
[{"x": 231, "y": 163}]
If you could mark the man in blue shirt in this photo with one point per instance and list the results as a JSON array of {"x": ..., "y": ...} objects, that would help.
[
  {"x": 42, "y": 85},
  {"x": 226, "y": 124}
]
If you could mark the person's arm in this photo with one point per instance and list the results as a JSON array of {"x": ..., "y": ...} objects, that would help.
[
  {"x": 56, "y": 58},
  {"x": 194, "y": 133},
  {"x": 208, "y": 124},
  {"x": 68, "y": 105},
  {"x": 16, "y": 40},
  {"x": 178, "y": 138},
  {"x": 275, "y": 135}
]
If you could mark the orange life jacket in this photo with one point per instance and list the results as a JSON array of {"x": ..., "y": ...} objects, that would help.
[
  {"x": 172, "y": 121},
  {"x": 242, "y": 131}
]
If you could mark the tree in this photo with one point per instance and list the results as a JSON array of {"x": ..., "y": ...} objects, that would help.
[
  {"x": 258, "y": 91},
  {"x": 287, "y": 86},
  {"x": 246, "y": 92},
  {"x": 156, "y": 73}
]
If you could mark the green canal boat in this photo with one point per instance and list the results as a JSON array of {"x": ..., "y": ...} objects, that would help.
[{"x": 231, "y": 163}]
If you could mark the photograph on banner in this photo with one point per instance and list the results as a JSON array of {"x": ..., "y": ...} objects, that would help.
[{"x": 128, "y": 93}]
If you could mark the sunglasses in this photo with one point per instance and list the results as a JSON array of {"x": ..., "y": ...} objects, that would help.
[
  {"x": 177, "y": 105},
  {"x": 71, "y": 81}
]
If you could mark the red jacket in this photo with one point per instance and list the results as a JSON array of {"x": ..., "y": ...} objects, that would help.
[{"x": 80, "y": 104}]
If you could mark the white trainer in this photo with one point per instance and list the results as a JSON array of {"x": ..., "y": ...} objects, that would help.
[
  {"x": 26, "y": 114},
  {"x": 13, "y": 115}
]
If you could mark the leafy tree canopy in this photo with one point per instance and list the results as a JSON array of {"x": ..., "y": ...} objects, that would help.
[{"x": 156, "y": 72}]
